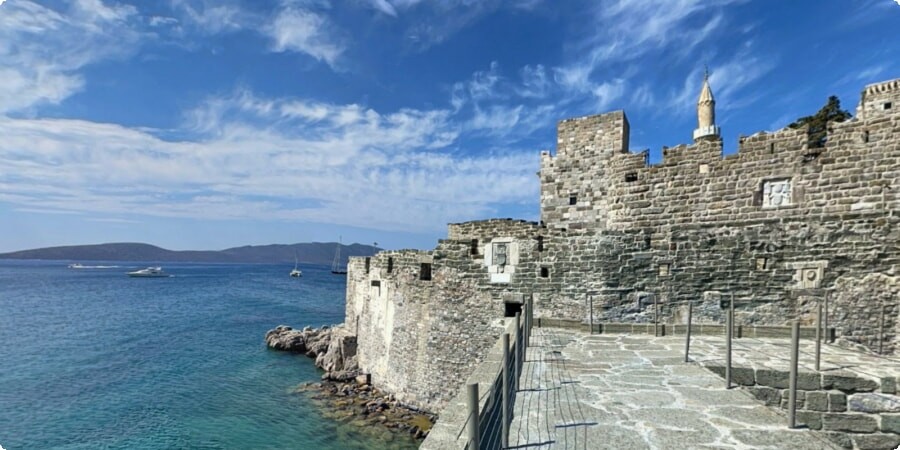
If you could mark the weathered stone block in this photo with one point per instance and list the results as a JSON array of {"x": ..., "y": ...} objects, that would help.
[
  {"x": 813, "y": 420},
  {"x": 890, "y": 423},
  {"x": 786, "y": 396},
  {"x": 817, "y": 401},
  {"x": 877, "y": 441},
  {"x": 853, "y": 423},
  {"x": 743, "y": 376},
  {"x": 888, "y": 385},
  {"x": 840, "y": 439},
  {"x": 808, "y": 381},
  {"x": 848, "y": 383},
  {"x": 874, "y": 403},
  {"x": 837, "y": 402},
  {"x": 772, "y": 378},
  {"x": 771, "y": 396}
]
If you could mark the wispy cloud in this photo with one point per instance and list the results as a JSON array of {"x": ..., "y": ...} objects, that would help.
[
  {"x": 304, "y": 31},
  {"x": 41, "y": 49}
]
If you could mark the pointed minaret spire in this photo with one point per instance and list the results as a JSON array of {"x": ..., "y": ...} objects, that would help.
[{"x": 706, "y": 111}]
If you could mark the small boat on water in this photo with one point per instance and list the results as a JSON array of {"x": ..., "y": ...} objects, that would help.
[
  {"x": 76, "y": 266},
  {"x": 337, "y": 267},
  {"x": 150, "y": 272},
  {"x": 296, "y": 273}
]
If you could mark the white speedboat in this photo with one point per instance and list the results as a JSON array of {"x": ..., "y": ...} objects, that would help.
[
  {"x": 150, "y": 272},
  {"x": 76, "y": 266}
]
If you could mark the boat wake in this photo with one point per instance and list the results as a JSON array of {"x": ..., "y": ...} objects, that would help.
[{"x": 80, "y": 266}]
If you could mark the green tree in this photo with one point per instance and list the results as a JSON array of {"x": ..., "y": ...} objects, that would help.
[{"x": 818, "y": 122}]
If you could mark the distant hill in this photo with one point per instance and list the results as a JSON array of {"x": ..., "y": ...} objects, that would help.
[{"x": 311, "y": 253}]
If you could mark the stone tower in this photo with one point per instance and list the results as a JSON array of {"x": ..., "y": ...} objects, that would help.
[{"x": 706, "y": 112}]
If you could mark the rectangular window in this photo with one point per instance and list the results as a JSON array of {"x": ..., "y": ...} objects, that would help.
[
  {"x": 540, "y": 243},
  {"x": 368, "y": 263},
  {"x": 425, "y": 272},
  {"x": 573, "y": 200},
  {"x": 390, "y": 267},
  {"x": 865, "y": 136},
  {"x": 376, "y": 283},
  {"x": 762, "y": 263},
  {"x": 630, "y": 177},
  {"x": 545, "y": 272},
  {"x": 499, "y": 254},
  {"x": 772, "y": 148},
  {"x": 474, "y": 250},
  {"x": 888, "y": 106}
]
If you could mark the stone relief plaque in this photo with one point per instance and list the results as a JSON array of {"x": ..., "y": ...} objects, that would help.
[{"x": 777, "y": 193}]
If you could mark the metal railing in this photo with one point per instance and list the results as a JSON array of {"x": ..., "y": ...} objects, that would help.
[{"x": 491, "y": 429}]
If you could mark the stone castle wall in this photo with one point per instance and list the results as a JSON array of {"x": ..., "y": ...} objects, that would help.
[{"x": 777, "y": 225}]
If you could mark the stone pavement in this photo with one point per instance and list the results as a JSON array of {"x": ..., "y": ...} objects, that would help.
[{"x": 580, "y": 391}]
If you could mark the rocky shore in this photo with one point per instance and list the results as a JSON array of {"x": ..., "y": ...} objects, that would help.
[{"x": 345, "y": 393}]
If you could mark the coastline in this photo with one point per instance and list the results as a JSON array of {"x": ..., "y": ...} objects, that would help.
[{"x": 344, "y": 393}]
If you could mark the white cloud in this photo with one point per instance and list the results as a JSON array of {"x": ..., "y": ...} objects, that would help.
[
  {"x": 289, "y": 159},
  {"x": 42, "y": 49},
  {"x": 303, "y": 31},
  {"x": 211, "y": 17}
]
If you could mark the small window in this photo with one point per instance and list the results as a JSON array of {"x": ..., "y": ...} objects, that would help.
[
  {"x": 888, "y": 105},
  {"x": 474, "y": 250},
  {"x": 390, "y": 267},
  {"x": 772, "y": 148},
  {"x": 511, "y": 309},
  {"x": 866, "y": 136},
  {"x": 762, "y": 263},
  {"x": 540, "y": 243},
  {"x": 368, "y": 263},
  {"x": 573, "y": 200},
  {"x": 545, "y": 272},
  {"x": 630, "y": 177},
  {"x": 425, "y": 272},
  {"x": 376, "y": 283}
]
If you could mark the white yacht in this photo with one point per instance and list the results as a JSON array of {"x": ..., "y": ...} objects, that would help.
[{"x": 150, "y": 272}]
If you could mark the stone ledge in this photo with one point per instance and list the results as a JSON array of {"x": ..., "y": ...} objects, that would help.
[{"x": 853, "y": 423}]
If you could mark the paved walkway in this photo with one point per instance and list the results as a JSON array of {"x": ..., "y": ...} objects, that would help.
[{"x": 579, "y": 391}]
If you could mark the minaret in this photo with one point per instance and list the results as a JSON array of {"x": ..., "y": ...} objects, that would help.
[{"x": 706, "y": 112}]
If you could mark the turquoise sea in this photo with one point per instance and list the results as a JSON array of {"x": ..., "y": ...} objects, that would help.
[{"x": 93, "y": 359}]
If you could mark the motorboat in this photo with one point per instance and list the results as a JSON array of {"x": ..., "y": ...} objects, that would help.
[
  {"x": 150, "y": 272},
  {"x": 76, "y": 266}
]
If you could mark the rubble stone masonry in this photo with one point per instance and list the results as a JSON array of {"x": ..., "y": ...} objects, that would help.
[{"x": 778, "y": 225}]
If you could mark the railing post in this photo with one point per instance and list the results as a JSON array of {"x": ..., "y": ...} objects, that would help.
[
  {"x": 825, "y": 319},
  {"x": 795, "y": 356},
  {"x": 472, "y": 402},
  {"x": 520, "y": 352},
  {"x": 591, "y": 320},
  {"x": 729, "y": 325},
  {"x": 504, "y": 434},
  {"x": 881, "y": 330},
  {"x": 818, "y": 335},
  {"x": 655, "y": 315},
  {"x": 687, "y": 339}
]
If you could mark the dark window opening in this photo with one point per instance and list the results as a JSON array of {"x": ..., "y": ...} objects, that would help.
[
  {"x": 888, "y": 105},
  {"x": 474, "y": 250},
  {"x": 512, "y": 309},
  {"x": 425, "y": 272},
  {"x": 772, "y": 148},
  {"x": 368, "y": 263},
  {"x": 573, "y": 200},
  {"x": 648, "y": 242},
  {"x": 376, "y": 283},
  {"x": 630, "y": 177},
  {"x": 758, "y": 198},
  {"x": 865, "y": 136},
  {"x": 540, "y": 243},
  {"x": 390, "y": 267},
  {"x": 545, "y": 272}
]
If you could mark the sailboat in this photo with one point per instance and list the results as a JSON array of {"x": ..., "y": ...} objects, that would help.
[
  {"x": 336, "y": 267},
  {"x": 296, "y": 272}
]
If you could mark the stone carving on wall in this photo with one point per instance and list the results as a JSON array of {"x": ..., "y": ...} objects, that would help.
[
  {"x": 808, "y": 274},
  {"x": 777, "y": 193},
  {"x": 501, "y": 256}
]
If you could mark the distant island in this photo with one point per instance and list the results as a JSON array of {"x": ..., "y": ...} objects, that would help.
[{"x": 310, "y": 253}]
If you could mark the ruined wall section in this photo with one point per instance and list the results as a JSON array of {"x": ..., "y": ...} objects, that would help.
[
  {"x": 420, "y": 338},
  {"x": 573, "y": 183}
]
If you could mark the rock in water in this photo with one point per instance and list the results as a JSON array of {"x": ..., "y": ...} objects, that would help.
[{"x": 334, "y": 348}]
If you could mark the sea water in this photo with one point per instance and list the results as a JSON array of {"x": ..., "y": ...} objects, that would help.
[{"x": 93, "y": 359}]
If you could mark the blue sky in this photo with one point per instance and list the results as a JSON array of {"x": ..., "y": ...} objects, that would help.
[{"x": 201, "y": 124}]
